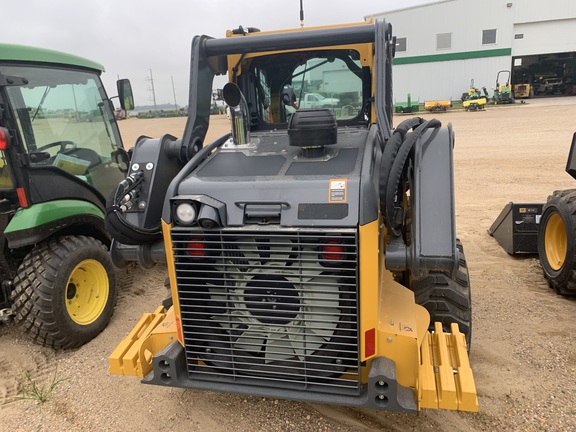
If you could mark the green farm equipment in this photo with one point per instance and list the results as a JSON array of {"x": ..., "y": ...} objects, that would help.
[
  {"x": 61, "y": 155},
  {"x": 474, "y": 100},
  {"x": 503, "y": 90}
]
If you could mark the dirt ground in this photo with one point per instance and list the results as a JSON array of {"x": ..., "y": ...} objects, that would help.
[{"x": 523, "y": 346}]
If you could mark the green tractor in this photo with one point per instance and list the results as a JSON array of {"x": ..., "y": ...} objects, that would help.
[
  {"x": 61, "y": 155},
  {"x": 503, "y": 92}
]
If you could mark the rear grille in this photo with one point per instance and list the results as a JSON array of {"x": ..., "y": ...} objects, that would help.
[{"x": 270, "y": 308}]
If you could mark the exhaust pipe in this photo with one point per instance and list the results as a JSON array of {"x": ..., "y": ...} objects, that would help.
[{"x": 238, "y": 113}]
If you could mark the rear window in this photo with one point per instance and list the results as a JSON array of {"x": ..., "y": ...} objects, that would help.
[{"x": 278, "y": 85}]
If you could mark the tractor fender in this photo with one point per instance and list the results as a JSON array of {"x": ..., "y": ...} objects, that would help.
[{"x": 38, "y": 222}]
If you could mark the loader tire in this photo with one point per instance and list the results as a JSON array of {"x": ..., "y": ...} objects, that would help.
[
  {"x": 557, "y": 241},
  {"x": 447, "y": 300},
  {"x": 65, "y": 291}
]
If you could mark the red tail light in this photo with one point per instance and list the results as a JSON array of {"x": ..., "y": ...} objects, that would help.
[
  {"x": 333, "y": 251},
  {"x": 369, "y": 343},
  {"x": 179, "y": 330},
  {"x": 3, "y": 139},
  {"x": 22, "y": 197},
  {"x": 195, "y": 247}
]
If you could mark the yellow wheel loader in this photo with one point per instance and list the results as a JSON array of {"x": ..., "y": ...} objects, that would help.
[{"x": 312, "y": 253}]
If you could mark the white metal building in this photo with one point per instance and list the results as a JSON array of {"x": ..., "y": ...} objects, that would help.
[{"x": 442, "y": 46}]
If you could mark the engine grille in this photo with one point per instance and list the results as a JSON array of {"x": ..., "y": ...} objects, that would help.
[{"x": 270, "y": 308}]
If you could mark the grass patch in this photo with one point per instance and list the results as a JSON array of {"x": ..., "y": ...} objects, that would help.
[{"x": 32, "y": 389}]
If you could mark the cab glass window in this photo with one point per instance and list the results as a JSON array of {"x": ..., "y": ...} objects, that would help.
[
  {"x": 276, "y": 86},
  {"x": 63, "y": 117},
  {"x": 5, "y": 174}
]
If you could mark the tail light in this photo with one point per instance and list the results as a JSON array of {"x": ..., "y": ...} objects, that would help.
[
  {"x": 22, "y": 197},
  {"x": 4, "y": 138},
  {"x": 196, "y": 247},
  {"x": 333, "y": 251}
]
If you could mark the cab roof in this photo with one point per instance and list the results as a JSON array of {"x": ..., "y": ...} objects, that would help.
[{"x": 22, "y": 53}]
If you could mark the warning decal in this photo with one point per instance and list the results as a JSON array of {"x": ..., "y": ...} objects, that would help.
[{"x": 338, "y": 190}]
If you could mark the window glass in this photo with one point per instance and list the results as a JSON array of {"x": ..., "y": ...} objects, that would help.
[
  {"x": 5, "y": 175},
  {"x": 488, "y": 37},
  {"x": 64, "y": 117},
  {"x": 279, "y": 85},
  {"x": 443, "y": 41}
]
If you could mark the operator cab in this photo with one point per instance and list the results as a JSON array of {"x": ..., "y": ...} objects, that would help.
[
  {"x": 66, "y": 122},
  {"x": 275, "y": 86}
]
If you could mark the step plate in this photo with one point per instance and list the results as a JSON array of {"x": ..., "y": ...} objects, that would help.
[{"x": 445, "y": 378}]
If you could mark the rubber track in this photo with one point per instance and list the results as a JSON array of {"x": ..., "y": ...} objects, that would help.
[
  {"x": 32, "y": 295},
  {"x": 447, "y": 300}
]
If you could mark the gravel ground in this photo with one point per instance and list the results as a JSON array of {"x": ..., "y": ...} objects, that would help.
[{"x": 523, "y": 346}]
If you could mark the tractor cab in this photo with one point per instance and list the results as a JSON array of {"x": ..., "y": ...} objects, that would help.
[{"x": 63, "y": 126}]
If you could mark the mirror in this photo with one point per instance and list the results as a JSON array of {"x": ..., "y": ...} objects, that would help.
[
  {"x": 125, "y": 94},
  {"x": 121, "y": 157},
  {"x": 288, "y": 96}
]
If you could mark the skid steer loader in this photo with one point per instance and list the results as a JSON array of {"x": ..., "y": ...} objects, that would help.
[{"x": 312, "y": 253}]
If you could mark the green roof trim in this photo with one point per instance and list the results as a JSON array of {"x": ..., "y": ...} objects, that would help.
[
  {"x": 10, "y": 52},
  {"x": 453, "y": 56}
]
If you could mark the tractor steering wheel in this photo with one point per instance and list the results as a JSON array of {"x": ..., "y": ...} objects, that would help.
[{"x": 62, "y": 144}]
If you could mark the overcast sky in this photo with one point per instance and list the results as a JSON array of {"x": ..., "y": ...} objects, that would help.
[{"x": 134, "y": 38}]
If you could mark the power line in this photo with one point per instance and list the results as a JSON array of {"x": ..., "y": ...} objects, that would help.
[{"x": 150, "y": 79}]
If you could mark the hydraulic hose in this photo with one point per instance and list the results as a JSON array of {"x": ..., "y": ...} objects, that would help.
[
  {"x": 391, "y": 149},
  {"x": 119, "y": 201},
  {"x": 393, "y": 167}
]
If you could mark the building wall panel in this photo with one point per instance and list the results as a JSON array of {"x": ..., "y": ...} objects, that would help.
[
  {"x": 545, "y": 37},
  {"x": 538, "y": 11},
  {"x": 445, "y": 80}
]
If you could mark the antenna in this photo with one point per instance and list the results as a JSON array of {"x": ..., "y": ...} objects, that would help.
[{"x": 301, "y": 14}]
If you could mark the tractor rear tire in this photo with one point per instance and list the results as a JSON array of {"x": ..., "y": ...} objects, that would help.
[
  {"x": 65, "y": 291},
  {"x": 447, "y": 300},
  {"x": 557, "y": 241}
]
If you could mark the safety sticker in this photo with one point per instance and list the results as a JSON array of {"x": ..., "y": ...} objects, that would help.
[{"x": 338, "y": 190}]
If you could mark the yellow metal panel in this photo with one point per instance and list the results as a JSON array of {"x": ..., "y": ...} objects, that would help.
[
  {"x": 386, "y": 305},
  {"x": 465, "y": 386},
  {"x": 480, "y": 102},
  {"x": 166, "y": 227},
  {"x": 133, "y": 356},
  {"x": 369, "y": 277},
  {"x": 427, "y": 378},
  {"x": 437, "y": 105},
  {"x": 445, "y": 378},
  {"x": 296, "y": 29},
  {"x": 444, "y": 371},
  {"x": 398, "y": 328}
]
